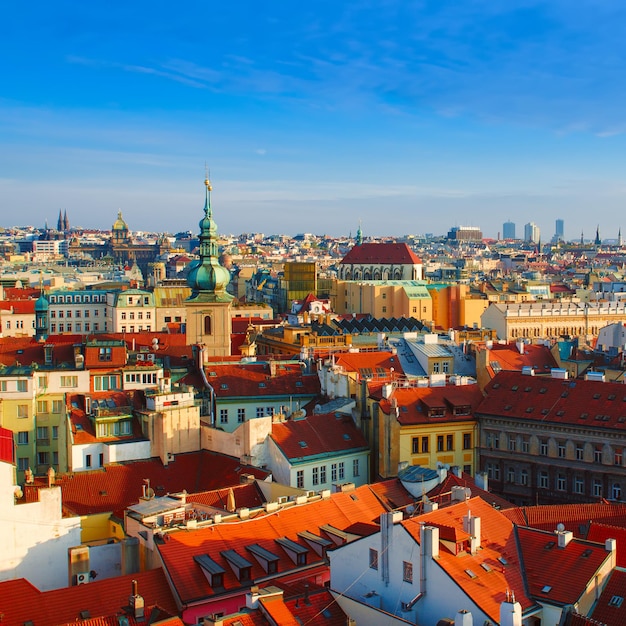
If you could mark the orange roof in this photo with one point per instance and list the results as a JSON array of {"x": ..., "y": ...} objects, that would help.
[
  {"x": 340, "y": 510},
  {"x": 558, "y": 575},
  {"x": 119, "y": 486},
  {"x": 601, "y": 532},
  {"x": 318, "y": 434},
  {"x": 20, "y": 601},
  {"x": 606, "y": 610},
  {"x": 488, "y": 589},
  {"x": 373, "y": 361},
  {"x": 508, "y": 357},
  {"x": 453, "y": 404},
  {"x": 20, "y": 307},
  {"x": 381, "y": 253}
]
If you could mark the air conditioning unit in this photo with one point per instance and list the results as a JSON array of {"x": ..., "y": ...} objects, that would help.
[{"x": 82, "y": 578}]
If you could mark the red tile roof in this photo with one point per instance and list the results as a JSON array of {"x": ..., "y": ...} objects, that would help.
[
  {"x": 317, "y": 434},
  {"x": 601, "y": 532},
  {"x": 414, "y": 403},
  {"x": 115, "y": 487},
  {"x": 509, "y": 358},
  {"x": 488, "y": 589},
  {"x": 381, "y": 253},
  {"x": 248, "y": 496},
  {"x": 340, "y": 510},
  {"x": 607, "y": 612},
  {"x": 558, "y": 575},
  {"x": 255, "y": 379},
  {"x": 536, "y": 398},
  {"x": 20, "y": 307},
  {"x": 442, "y": 493},
  {"x": 373, "y": 361},
  {"x": 20, "y": 601}
]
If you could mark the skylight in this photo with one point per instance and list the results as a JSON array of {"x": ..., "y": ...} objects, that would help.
[
  {"x": 546, "y": 589},
  {"x": 303, "y": 444},
  {"x": 486, "y": 567},
  {"x": 470, "y": 573},
  {"x": 616, "y": 601}
]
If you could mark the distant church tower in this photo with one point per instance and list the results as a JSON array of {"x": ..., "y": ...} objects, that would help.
[
  {"x": 208, "y": 307},
  {"x": 359, "y": 236},
  {"x": 598, "y": 241}
]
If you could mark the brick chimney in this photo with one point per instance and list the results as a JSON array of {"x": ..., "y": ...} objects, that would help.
[{"x": 136, "y": 602}]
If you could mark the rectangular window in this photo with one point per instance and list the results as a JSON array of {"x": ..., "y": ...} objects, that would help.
[
  {"x": 3, "y": 385},
  {"x": 439, "y": 443},
  {"x": 69, "y": 381},
  {"x": 148, "y": 316},
  {"x": 43, "y": 458},
  {"x": 241, "y": 415},
  {"x": 467, "y": 441},
  {"x": 543, "y": 480},
  {"x": 42, "y": 433},
  {"x": 269, "y": 410},
  {"x": 101, "y": 459},
  {"x": 523, "y": 477},
  {"x": 512, "y": 443},
  {"x": 561, "y": 449},
  {"x": 355, "y": 467},
  {"x": 223, "y": 416},
  {"x": 57, "y": 406},
  {"x": 22, "y": 464},
  {"x": 618, "y": 456},
  {"x": 88, "y": 460},
  {"x": 561, "y": 482},
  {"x": 22, "y": 438},
  {"x": 373, "y": 558},
  {"x": 22, "y": 410},
  {"x": 22, "y": 386},
  {"x": 259, "y": 411},
  {"x": 510, "y": 475},
  {"x": 86, "y": 326},
  {"x": 342, "y": 472},
  {"x": 597, "y": 454},
  {"x": 333, "y": 472},
  {"x": 580, "y": 452},
  {"x": 446, "y": 367},
  {"x": 300, "y": 479},
  {"x": 55, "y": 432},
  {"x": 579, "y": 485},
  {"x": 323, "y": 474},
  {"x": 597, "y": 488},
  {"x": 316, "y": 476},
  {"x": 525, "y": 445},
  {"x": 449, "y": 442},
  {"x": 543, "y": 447},
  {"x": 407, "y": 572},
  {"x": 425, "y": 445},
  {"x": 104, "y": 354},
  {"x": 415, "y": 445},
  {"x": 42, "y": 406},
  {"x": 436, "y": 367}
]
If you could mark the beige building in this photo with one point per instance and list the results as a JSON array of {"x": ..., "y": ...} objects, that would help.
[
  {"x": 389, "y": 298},
  {"x": 549, "y": 320},
  {"x": 454, "y": 306}
]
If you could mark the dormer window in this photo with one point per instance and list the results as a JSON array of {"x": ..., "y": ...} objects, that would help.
[
  {"x": 242, "y": 568},
  {"x": 212, "y": 570},
  {"x": 266, "y": 559},
  {"x": 296, "y": 552}
]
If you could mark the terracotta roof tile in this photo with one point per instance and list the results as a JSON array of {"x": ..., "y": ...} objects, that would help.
[
  {"x": 115, "y": 487},
  {"x": 20, "y": 601},
  {"x": 317, "y": 434},
  {"x": 341, "y": 510},
  {"x": 608, "y": 609},
  {"x": 382, "y": 253}
]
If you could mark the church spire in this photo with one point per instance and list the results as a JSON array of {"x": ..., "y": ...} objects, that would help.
[
  {"x": 598, "y": 241},
  {"x": 359, "y": 235},
  {"x": 60, "y": 220}
]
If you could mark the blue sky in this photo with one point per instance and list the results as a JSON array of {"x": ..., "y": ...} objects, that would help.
[{"x": 410, "y": 117}]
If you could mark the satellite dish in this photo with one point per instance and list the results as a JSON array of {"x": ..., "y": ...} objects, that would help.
[
  {"x": 560, "y": 527},
  {"x": 155, "y": 344}
]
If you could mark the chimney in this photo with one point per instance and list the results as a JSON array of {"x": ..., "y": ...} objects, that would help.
[
  {"x": 136, "y": 602},
  {"x": 463, "y": 618},
  {"x": 51, "y": 477},
  {"x": 429, "y": 537},
  {"x": 563, "y": 536},
  {"x": 471, "y": 525},
  {"x": 510, "y": 611},
  {"x": 610, "y": 545}
]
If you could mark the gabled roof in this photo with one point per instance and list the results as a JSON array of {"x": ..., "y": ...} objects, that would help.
[
  {"x": 20, "y": 601},
  {"x": 245, "y": 380},
  {"x": 118, "y": 486},
  {"x": 248, "y": 495},
  {"x": 443, "y": 491},
  {"x": 451, "y": 403},
  {"x": 20, "y": 307},
  {"x": 487, "y": 589},
  {"x": 601, "y": 532},
  {"x": 558, "y": 575},
  {"x": 340, "y": 510},
  {"x": 299, "y": 439},
  {"x": 586, "y": 403},
  {"x": 609, "y": 609},
  {"x": 508, "y": 357},
  {"x": 381, "y": 254},
  {"x": 374, "y": 364}
]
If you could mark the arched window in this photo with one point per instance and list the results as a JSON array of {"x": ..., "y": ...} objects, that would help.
[{"x": 207, "y": 324}]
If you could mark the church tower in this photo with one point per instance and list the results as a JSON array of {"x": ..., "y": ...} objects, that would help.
[{"x": 208, "y": 306}]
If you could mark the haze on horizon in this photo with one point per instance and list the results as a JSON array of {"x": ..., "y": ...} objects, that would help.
[{"x": 409, "y": 117}]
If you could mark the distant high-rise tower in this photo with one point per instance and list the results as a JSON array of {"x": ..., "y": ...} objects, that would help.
[
  {"x": 531, "y": 232},
  {"x": 559, "y": 230},
  {"x": 598, "y": 241},
  {"x": 619, "y": 238},
  {"x": 508, "y": 230}
]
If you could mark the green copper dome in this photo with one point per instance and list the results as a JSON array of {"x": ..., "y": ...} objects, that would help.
[
  {"x": 41, "y": 304},
  {"x": 207, "y": 278}
]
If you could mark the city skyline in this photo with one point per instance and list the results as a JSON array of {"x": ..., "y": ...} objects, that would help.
[{"x": 407, "y": 118}]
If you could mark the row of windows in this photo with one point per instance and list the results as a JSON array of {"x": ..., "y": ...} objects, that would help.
[
  {"x": 77, "y": 313},
  {"x": 54, "y": 299},
  {"x": 407, "y": 566},
  {"x": 492, "y": 441},
  {"x": 43, "y": 435},
  {"x": 106, "y": 383},
  {"x": 140, "y": 328},
  {"x": 43, "y": 459},
  {"x": 139, "y": 300},
  {"x": 241, "y": 414},
  {"x": 20, "y": 385},
  {"x": 319, "y": 474},
  {"x": 43, "y": 406},
  {"x": 560, "y": 481},
  {"x": 19, "y": 324},
  {"x": 421, "y": 445},
  {"x": 131, "y": 315},
  {"x": 78, "y": 327},
  {"x": 146, "y": 378},
  {"x": 114, "y": 429}
]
